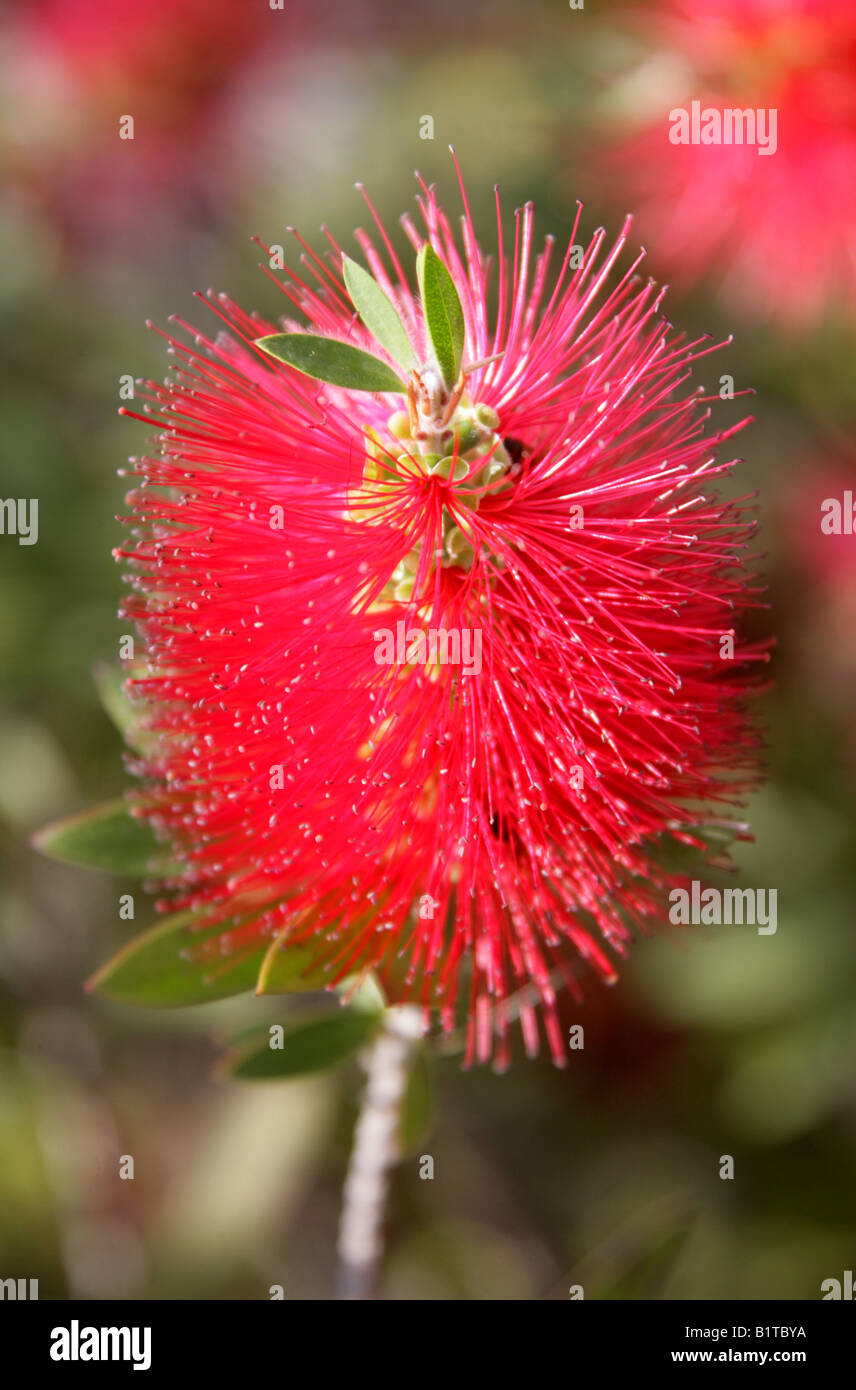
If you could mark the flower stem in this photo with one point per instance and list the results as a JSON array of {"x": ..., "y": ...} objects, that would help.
[{"x": 376, "y": 1150}]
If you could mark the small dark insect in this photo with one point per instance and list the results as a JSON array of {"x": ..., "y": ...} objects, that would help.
[
  {"x": 515, "y": 448},
  {"x": 519, "y": 453}
]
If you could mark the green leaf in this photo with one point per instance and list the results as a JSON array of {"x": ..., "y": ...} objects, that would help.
[
  {"x": 327, "y": 359},
  {"x": 290, "y": 969},
  {"x": 313, "y": 1046},
  {"x": 107, "y": 838},
  {"x": 158, "y": 969},
  {"x": 444, "y": 317},
  {"x": 378, "y": 313}
]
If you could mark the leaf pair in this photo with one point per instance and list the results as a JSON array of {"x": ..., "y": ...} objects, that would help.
[
  {"x": 169, "y": 967},
  {"x": 342, "y": 364},
  {"x": 163, "y": 967}
]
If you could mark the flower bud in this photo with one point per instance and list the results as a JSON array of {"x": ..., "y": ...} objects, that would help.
[
  {"x": 487, "y": 416},
  {"x": 399, "y": 424},
  {"x": 451, "y": 467}
]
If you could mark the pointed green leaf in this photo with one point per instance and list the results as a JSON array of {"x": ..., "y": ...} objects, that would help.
[
  {"x": 378, "y": 313},
  {"x": 327, "y": 359},
  {"x": 107, "y": 837},
  {"x": 312, "y": 1046},
  {"x": 290, "y": 969},
  {"x": 444, "y": 317},
  {"x": 161, "y": 968}
]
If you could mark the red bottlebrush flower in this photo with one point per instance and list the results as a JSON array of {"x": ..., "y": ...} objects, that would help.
[
  {"x": 776, "y": 228},
  {"x": 534, "y": 486}
]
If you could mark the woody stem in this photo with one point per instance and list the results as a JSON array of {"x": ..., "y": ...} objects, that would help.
[{"x": 376, "y": 1150}]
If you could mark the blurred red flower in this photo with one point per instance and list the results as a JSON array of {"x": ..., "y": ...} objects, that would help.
[
  {"x": 73, "y": 69},
  {"x": 778, "y": 228}
]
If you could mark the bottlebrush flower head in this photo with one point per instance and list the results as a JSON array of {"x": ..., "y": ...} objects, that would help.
[
  {"x": 775, "y": 230},
  {"x": 507, "y": 453}
]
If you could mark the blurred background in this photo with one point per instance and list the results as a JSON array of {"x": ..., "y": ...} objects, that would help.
[{"x": 248, "y": 118}]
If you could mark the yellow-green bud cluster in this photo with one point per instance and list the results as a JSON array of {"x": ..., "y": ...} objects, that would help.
[
  {"x": 475, "y": 453},
  {"x": 473, "y": 459}
]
